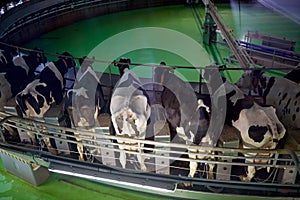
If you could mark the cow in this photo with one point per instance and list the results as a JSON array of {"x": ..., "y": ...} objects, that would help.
[
  {"x": 130, "y": 114},
  {"x": 7, "y": 54},
  {"x": 186, "y": 115},
  {"x": 259, "y": 126},
  {"x": 15, "y": 74},
  {"x": 46, "y": 89},
  {"x": 87, "y": 99},
  {"x": 279, "y": 92}
]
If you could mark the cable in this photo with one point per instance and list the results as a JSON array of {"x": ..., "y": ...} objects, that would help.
[{"x": 221, "y": 68}]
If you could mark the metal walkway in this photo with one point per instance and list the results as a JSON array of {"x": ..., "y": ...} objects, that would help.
[{"x": 240, "y": 53}]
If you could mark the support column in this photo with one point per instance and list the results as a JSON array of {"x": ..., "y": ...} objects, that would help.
[{"x": 209, "y": 32}]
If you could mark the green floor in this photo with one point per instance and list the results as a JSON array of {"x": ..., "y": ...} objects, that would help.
[
  {"x": 85, "y": 37},
  {"x": 103, "y": 37},
  {"x": 62, "y": 187}
]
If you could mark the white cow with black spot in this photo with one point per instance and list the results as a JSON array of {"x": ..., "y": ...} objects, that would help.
[{"x": 259, "y": 126}]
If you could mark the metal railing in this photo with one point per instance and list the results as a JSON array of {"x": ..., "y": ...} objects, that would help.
[
  {"x": 282, "y": 159},
  {"x": 241, "y": 55},
  {"x": 38, "y": 10}
]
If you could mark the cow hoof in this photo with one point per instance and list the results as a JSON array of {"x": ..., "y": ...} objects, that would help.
[
  {"x": 81, "y": 158},
  {"x": 245, "y": 178},
  {"x": 210, "y": 176},
  {"x": 53, "y": 151},
  {"x": 188, "y": 184},
  {"x": 144, "y": 168}
]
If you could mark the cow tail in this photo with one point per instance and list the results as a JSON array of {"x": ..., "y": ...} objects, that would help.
[
  {"x": 34, "y": 104},
  {"x": 102, "y": 104},
  {"x": 21, "y": 103}
]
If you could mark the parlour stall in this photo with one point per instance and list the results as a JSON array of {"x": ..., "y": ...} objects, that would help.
[{"x": 178, "y": 140}]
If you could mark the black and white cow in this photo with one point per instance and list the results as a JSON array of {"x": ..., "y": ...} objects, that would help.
[
  {"x": 15, "y": 74},
  {"x": 87, "y": 99},
  {"x": 46, "y": 89},
  {"x": 187, "y": 117},
  {"x": 7, "y": 54},
  {"x": 259, "y": 126},
  {"x": 130, "y": 113},
  {"x": 281, "y": 93}
]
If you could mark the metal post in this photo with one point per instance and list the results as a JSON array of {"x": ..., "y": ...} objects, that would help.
[{"x": 200, "y": 82}]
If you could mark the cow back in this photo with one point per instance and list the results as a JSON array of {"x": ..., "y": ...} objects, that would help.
[
  {"x": 284, "y": 95},
  {"x": 180, "y": 103},
  {"x": 130, "y": 106},
  {"x": 86, "y": 98}
]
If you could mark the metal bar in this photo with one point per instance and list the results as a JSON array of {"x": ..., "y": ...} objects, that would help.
[
  {"x": 206, "y": 151},
  {"x": 242, "y": 56}
]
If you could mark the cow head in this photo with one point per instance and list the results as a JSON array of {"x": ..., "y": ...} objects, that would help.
[
  {"x": 66, "y": 61},
  {"x": 85, "y": 63},
  {"x": 32, "y": 61},
  {"x": 253, "y": 81},
  {"x": 122, "y": 65},
  {"x": 6, "y": 54},
  {"x": 38, "y": 56}
]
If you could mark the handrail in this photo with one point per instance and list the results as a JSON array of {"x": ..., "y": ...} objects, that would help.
[
  {"x": 242, "y": 56},
  {"x": 150, "y": 65},
  {"x": 93, "y": 140},
  {"x": 37, "y": 11},
  {"x": 31, "y": 11},
  {"x": 271, "y": 50}
]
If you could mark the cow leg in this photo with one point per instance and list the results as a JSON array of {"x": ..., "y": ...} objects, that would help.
[
  {"x": 79, "y": 146},
  {"x": 32, "y": 137},
  {"x": 122, "y": 158},
  {"x": 250, "y": 174},
  {"x": 80, "y": 151},
  {"x": 193, "y": 168},
  {"x": 49, "y": 146},
  {"x": 142, "y": 163},
  {"x": 10, "y": 130},
  {"x": 211, "y": 171}
]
